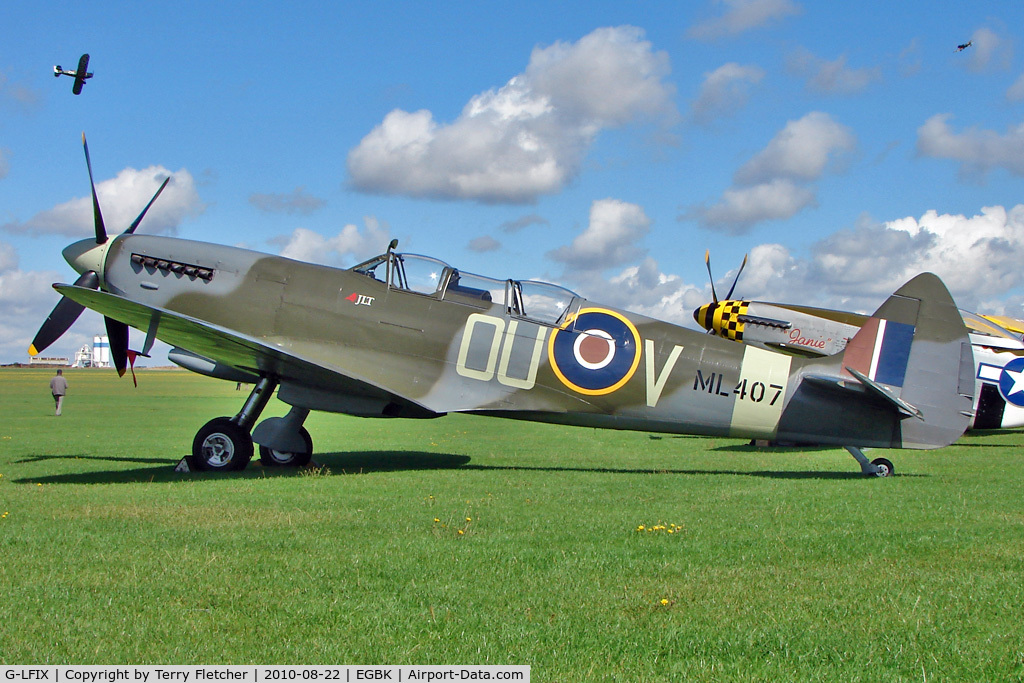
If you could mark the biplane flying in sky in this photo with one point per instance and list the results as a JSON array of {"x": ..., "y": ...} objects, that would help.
[
  {"x": 405, "y": 335},
  {"x": 80, "y": 74}
]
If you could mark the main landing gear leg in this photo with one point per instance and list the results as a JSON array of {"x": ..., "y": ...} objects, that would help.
[
  {"x": 224, "y": 443},
  {"x": 879, "y": 467},
  {"x": 283, "y": 441}
]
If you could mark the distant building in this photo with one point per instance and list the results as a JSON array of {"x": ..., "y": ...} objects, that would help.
[
  {"x": 100, "y": 352},
  {"x": 83, "y": 359},
  {"x": 48, "y": 361}
]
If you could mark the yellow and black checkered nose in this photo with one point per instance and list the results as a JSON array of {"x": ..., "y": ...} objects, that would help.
[{"x": 722, "y": 318}]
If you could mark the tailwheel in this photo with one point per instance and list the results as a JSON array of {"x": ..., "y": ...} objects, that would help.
[
  {"x": 221, "y": 445},
  {"x": 884, "y": 468},
  {"x": 879, "y": 467},
  {"x": 272, "y": 458}
]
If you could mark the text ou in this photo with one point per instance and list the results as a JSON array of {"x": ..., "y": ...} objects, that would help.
[{"x": 491, "y": 338}]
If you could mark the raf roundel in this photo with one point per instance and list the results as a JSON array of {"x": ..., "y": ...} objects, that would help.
[{"x": 598, "y": 355}]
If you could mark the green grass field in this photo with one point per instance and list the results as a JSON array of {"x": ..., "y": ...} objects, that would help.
[{"x": 479, "y": 541}]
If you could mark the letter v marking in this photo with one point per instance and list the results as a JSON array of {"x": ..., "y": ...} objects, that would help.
[{"x": 656, "y": 384}]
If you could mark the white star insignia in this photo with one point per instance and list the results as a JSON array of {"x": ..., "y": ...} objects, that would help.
[{"x": 1018, "y": 382}]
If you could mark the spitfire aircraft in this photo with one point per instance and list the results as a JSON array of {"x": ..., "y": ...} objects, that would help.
[
  {"x": 80, "y": 74},
  {"x": 814, "y": 332},
  {"x": 404, "y": 335}
]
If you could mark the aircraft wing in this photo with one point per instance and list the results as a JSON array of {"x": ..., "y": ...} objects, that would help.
[
  {"x": 241, "y": 352},
  {"x": 855, "y": 319},
  {"x": 81, "y": 74}
]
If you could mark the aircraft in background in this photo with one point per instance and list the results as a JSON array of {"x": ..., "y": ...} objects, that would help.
[
  {"x": 405, "y": 335},
  {"x": 80, "y": 74},
  {"x": 1013, "y": 325},
  {"x": 814, "y": 332}
]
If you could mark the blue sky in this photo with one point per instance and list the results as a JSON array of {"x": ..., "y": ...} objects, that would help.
[{"x": 600, "y": 145}]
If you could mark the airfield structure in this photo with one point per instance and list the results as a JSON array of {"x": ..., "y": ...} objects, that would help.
[
  {"x": 48, "y": 361},
  {"x": 100, "y": 352}
]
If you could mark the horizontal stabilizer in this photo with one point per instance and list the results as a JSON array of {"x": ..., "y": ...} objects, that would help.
[
  {"x": 879, "y": 390},
  {"x": 864, "y": 386}
]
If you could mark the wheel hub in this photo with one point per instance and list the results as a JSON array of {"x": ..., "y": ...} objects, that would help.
[{"x": 218, "y": 449}]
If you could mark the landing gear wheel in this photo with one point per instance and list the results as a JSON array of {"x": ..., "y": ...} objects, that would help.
[
  {"x": 221, "y": 445},
  {"x": 885, "y": 468},
  {"x": 271, "y": 458}
]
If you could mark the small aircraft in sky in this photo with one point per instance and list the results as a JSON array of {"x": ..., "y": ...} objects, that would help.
[
  {"x": 961, "y": 48},
  {"x": 815, "y": 332},
  {"x": 406, "y": 335},
  {"x": 80, "y": 74}
]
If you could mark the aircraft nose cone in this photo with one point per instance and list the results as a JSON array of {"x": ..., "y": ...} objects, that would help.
[
  {"x": 86, "y": 255},
  {"x": 705, "y": 316}
]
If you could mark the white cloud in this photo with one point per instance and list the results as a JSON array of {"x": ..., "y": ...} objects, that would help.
[
  {"x": 833, "y": 77},
  {"x": 743, "y": 15},
  {"x": 24, "y": 98},
  {"x": 298, "y": 202},
  {"x": 988, "y": 51},
  {"x": 977, "y": 150},
  {"x": 909, "y": 60},
  {"x": 1015, "y": 93},
  {"x": 350, "y": 244},
  {"x": 609, "y": 240},
  {"x": 484, "y": 243},
  {"x": 741, "y": 208},
  {"x": 978, "y": 257},
  {"x": 773, "y": 184},
  {"x": 527, "y": 138},
  {"x": 724, "y": 91},
  {"x": 523, "y": 222},
  {"x": 800, "y": 151},
  {"x": 121, "y": 199},
  {"x": 25, "y": 299}
]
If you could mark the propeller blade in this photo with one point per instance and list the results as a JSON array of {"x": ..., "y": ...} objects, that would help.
[
  {"x": 742, "y": 266},
  {"x": 117, "y": 333},
  {"x": 135, "y": 223},
  {"x": 63, "y": 315},
  {"x": 101, "y": 231},
  {"x": 707, "y": 261}
]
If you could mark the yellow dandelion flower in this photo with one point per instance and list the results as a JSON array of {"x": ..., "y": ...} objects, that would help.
[
  {"x": 640, "y": 528},
  {"x": 664, "y": 602},
  {"x": 461, "y": 532},
  {"x": 469, "y": 519},
  {"x": 436, "y": 520}
]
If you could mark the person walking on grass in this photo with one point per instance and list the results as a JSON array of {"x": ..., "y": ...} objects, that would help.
[{"x": 58, "y": 387}]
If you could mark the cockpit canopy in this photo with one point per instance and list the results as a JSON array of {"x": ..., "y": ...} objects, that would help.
[{"x": 539, "y": 301}]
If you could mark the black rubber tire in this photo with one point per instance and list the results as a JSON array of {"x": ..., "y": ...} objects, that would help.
[
  {"x": 885, "y": 468},
  {"x": 222, "y": 446},
  {"x": 272, "y": 458}
]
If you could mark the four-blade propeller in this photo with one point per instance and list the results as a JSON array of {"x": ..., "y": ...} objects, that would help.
[
  {"x": 66, "y": 312},
  {"x": 706, "y": 313}
]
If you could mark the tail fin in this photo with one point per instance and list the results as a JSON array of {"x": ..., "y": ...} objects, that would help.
[{"x": 905, "y": 380}]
